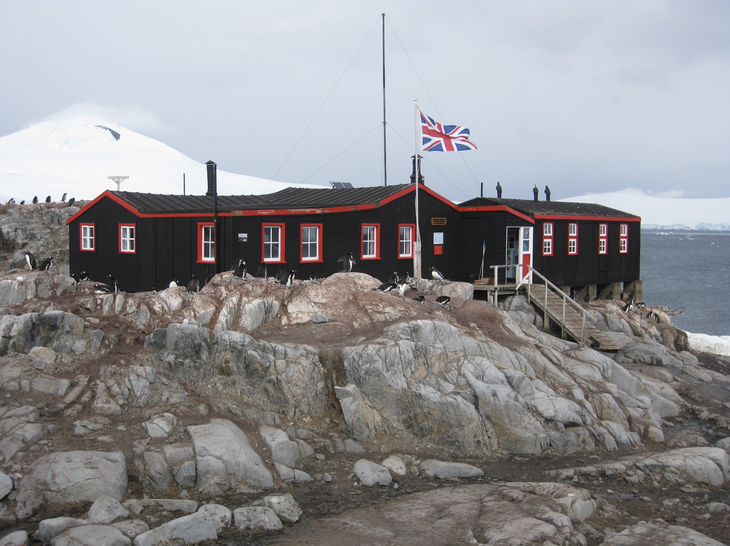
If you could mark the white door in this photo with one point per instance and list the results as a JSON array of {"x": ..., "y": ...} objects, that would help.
[{"x": 525, "y": 252}]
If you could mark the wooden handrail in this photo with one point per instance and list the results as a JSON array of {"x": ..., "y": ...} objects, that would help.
[{"x": 548, "y": 285}]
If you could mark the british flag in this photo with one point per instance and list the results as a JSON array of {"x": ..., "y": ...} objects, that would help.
[{"x": 444, "y": 138}]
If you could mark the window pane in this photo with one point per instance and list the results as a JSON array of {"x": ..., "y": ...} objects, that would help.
[
  {"x": 405, "y": 245},
  {"x": 368, "y": 241},
  {"x": 310, "y": 236}
]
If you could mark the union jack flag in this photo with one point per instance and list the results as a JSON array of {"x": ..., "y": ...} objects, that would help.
[{"x": 443, "y": 138}]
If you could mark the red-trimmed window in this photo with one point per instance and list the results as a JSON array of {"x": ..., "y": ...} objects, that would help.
[
  {"x": 547, "y": 239},
  {"x": 273, "y": 243},
  {"x": 572, "y": 238},
  {"x": 311, "y": 238},
  {"x": 405, "y": 240},
  {"x": 88, "y": 237},
  {"x": 206, "y": 243},
  {"x": 603, "y": 238},
  {"x": 623, "y": 241},
  {"x": 370, "y": 242},
  {"x": 128, "y": 238}
]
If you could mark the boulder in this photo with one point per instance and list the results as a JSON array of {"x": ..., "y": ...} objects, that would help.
[
  {"x": 285, "y": 507},
  {"x": 49, "y": 528},
  {"x": 445, "y": 470},
  {"x": 189, "y": 529},
  {"x": 6, "y": 485},
  {"x": 73, "y": 476},
  {"x": 282, "y": 449},
  {"x": 92, "y": 535},
  {"x": 659, "y": 532},
  {"x": 17, "y": 538},
  {"x": 225, "y": 457},
  {"x": 106, "y": 510},
  {"x": 260, "y": 518},
  {"x": 370, "y": 473},
  {"x": 218, "y": 514}
]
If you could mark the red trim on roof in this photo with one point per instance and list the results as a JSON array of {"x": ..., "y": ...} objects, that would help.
[
  {"x": 587, "y": 218},
  {"x": 495, "y": 208}
]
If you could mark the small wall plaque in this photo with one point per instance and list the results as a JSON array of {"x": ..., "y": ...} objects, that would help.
[
  {"x": 438, "y": 221},
  {"x": 243, "y": 237}
]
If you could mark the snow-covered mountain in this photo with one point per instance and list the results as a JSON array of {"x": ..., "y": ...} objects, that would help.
[
  {"x": 77, "y": 156},
  {"x": 666, "y": 213}
]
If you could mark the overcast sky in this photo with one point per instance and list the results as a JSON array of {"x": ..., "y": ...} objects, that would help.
[{"x": 584, "y": 96}]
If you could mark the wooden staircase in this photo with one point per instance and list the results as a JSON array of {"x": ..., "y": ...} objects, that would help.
[{"x": 573, "y": 320}]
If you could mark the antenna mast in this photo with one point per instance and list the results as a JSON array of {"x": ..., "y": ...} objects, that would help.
[
  {"x": 118, "y": 180},
  {"x": 385, "y": 150}
]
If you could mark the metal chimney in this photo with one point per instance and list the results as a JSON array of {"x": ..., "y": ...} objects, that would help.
[
  {"x": 212, "y": 179},
  {"x": 420, "y": 172}
]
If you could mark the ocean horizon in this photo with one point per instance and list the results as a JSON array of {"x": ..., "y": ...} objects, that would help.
[{"x": 689, "y": 270}]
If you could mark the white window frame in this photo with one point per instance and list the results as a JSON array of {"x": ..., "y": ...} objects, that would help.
[
  {"x": 273, "y": 247},
  {"x": 405, "y": 240},
  {"x": 88, "y": 237},
  {"x": 127, "y": 238},
  {"x": 207, "y": 242},
  {"x": 547, "y": 246},
  {"x": 369, "y": 246},
  {"x": 310, "y": 244}
]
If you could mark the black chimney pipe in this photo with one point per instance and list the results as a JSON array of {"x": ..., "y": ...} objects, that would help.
[{"x": 420, "y": 172}]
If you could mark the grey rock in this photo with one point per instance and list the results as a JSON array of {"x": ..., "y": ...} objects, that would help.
[
  {"x": 74, "y": 476},
  {"x": 282, "y": 449},
  {"x": 256, "y": 517},
  {"x": 352, "y": 446},
  {"x": 17, "y": 538},
  {"x": 370, "y": 473},
  {"x": 162, "y": 426},
  {"x": 219, "y": 514},
  {"x": 49, "y": 528},
  {"x": 445, "y": 470},
  {"x": 285, "y": 507},
  {"x": 6, "y": 485},
  {"x": 724, "y": 443},
  {"x": 92, "y": 535},
  {"x": 659, "y": 532},
  {"x": 395, "y": 465},
  {"x": 319, "y": 319},
  {"x": 106, "y": 510},
  {"x": 157, "y": 472},
  {"x": 362, "y": 419},
  {"x": 224, "y": 456},
  {"x": 132, "y": 527},
  {"x": 177, "y": 505},
  {"x": 189, "y": 529}
]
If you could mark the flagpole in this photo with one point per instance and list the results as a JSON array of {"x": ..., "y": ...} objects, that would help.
[{"x": 417, "y": 249}]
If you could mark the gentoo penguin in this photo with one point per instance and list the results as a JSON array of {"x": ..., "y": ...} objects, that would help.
[
  {"x": 83, "y": 276},
  {"x": 348, "y": 261},
  {"x": 22, "y": 202},
  {"x": 419, "y": 298},
  {"x": 394, "y": 278},
  {"x": 46, "y": 264},
  {"x": 281, "y": 275},
  {"x": 262, "y": 272},
  {"x": 194, "y": 284},
  {"x": 437, "y": 275},
  {"x": 174, "y": 283},
  {"x": 407, "y": 277},
  {"x": 629, "y": 305},
  {"x": 157, "y": 287},
  {"x": 71, "y": 201},
  {"x": 289, "y": 279},
  {"x": 63, "y": 198},
  {"x": 35, "y": 199},
  {"x": 48, "y": 199},
  {"x": 387, "y": 286},
  {"x": 443, "y": 300},
  {"x": 239, "y": 268},
  {"x": 402, "y": 287},
  {"x": 110, "y": 286},
  {"x": 30, "y": 260}
]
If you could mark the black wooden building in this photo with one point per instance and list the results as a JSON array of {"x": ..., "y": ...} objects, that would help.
[
  {"x": 143, "y": 239},
  {"x": 578, "y": 246},
  {"x": 147, "y": 239}
]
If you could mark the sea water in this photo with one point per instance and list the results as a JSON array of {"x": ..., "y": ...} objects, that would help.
[{"x": 690, "y": 271}]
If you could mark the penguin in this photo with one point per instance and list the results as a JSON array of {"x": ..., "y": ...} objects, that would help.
[
  {"x": 11, "y": 201},
  {"x": 46, "y": 264},
  {"x": 387, "y": 287},
  {"x": 48, "y": 199},
  {"x": 157, "y": 287},
  {"x": 408, "y": 277},
  {"x": 281, "y": 275},
  {"x": 262, "y": 272},
  {"x": 35, "y": 200},
  {"x": 629, "y": 305},
  {"x": 110, "y": 286},
  {"x": 289, "y": 279},
  {"x": 437, "y": 275},
  {"x": 420, "y": 298},
  {"x": 22, "y": 202},
  {"x": 194, "y": 284},
  {"x": 30, "y": 260},
  {"x": 71, "y": 202},
  {"x": 394, "y": 278},
  {"x": 348, "y": 261},
  {"x": 240, "y": 270},
  {"x": 174, "y": 283},
  {"x": 402, "y": 287},
  {"x": 314, "y": 276},
  {"x": 63, "y": 198},
  {"x": 81, "y": 277},
  {"x": 443, "y": 300}
]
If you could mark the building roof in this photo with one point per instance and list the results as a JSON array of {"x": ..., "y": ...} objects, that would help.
[
  {"x": 300, "y": 198},
  {"x": 539, "y": 209}
]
